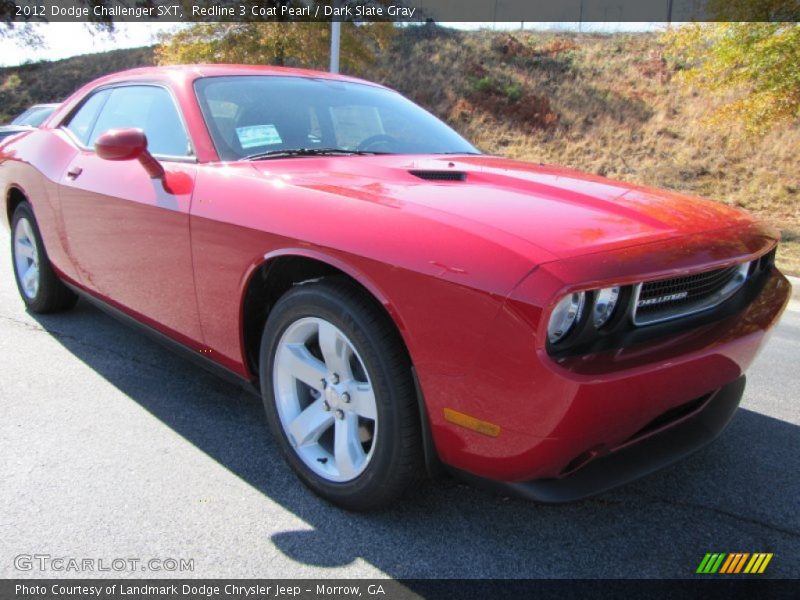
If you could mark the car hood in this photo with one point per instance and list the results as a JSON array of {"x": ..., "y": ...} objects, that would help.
[{"x": 566, "y": 212}]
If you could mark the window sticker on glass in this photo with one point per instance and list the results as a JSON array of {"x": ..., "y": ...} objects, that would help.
[
  {"x": 223, "y": 110},
  {"x": 353, "y": 124},
  {"x": 258, "y": 135}
]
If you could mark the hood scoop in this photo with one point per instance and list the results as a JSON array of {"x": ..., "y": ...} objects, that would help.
[{"x": 439, "y": 175}]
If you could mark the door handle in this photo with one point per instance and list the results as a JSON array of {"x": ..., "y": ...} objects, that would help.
[{"x": 74, "y": 173}]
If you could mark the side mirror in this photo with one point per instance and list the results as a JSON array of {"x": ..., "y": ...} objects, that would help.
[{"x": 128, "y": 144}]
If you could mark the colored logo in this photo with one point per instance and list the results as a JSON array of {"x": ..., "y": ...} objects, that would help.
[{"x": 736, "y": 562}]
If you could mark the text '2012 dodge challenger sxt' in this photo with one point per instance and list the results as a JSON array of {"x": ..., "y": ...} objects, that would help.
[{"x": 400, "y": 300}]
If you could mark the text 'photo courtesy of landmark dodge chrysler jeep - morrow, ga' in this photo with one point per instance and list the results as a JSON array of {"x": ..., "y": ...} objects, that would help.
[{"x": 401, "y": 301}]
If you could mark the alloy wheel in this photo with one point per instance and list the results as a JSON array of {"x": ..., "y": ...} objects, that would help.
[
  {"x": 26, "y": 258},
  {"x": 325, "y": 400}
]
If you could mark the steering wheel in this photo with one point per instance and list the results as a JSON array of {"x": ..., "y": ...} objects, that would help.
[{"x": 372, "y": 140}]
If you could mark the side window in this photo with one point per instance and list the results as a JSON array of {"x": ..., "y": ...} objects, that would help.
[
  {"x": 148, "y": 108},
  {"x": 82, "y": 121}
]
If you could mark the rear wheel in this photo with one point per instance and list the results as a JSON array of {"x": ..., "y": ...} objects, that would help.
[
  {"x": 339, "y": 397},
  {"x": 38, "y": 285}
]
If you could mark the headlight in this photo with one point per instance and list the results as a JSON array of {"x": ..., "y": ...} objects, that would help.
[
  {"x": 566, "y": 313},
  {"x": 604, "y": 305}
]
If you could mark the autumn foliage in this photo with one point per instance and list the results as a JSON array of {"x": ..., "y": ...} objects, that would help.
[
  {"x": 749, "y": 70},
  {"x": 285, "y": 43}
]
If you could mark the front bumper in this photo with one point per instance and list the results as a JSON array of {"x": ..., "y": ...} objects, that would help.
[
  {"x": 556, "y": 417},
  {"x": 641, "y": 456}
]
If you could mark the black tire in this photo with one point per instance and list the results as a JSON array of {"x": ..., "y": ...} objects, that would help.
[
  {"x": 52, "y": 295},
  {"x": 397, "y": 459}
]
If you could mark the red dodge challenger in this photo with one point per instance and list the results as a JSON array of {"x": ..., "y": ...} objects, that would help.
[{"x": 401, "y": 301}]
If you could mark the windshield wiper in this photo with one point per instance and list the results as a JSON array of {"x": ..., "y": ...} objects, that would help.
[
  {"x": 310, "y": 152},
  {"x": 459, "y": 153}
]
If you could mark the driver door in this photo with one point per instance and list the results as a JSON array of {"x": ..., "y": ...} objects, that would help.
[{"x": 130, "y": 237}]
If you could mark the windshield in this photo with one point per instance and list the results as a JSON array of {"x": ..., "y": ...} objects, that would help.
[
  {"x": 255, "y": 116},
  {"x": 34, "y": 116}
]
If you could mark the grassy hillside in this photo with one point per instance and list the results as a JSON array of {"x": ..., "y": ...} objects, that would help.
[
  {"x": 607, "y": 104},
  {"x": 54, "y": 81}
]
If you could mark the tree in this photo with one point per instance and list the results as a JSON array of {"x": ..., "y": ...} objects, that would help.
[
  {"x": 278, "y": 43},
  {"x": 279, "y": 39},
  {"x": 22, "y": 28},
  {"x": 750, "y": 69}
]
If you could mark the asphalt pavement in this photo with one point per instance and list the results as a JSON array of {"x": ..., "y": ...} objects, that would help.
[{"x": 112, "y": 447}]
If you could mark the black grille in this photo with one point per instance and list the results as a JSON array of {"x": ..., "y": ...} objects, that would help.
[
  {"x": 670, "y": 298},
  {"x": 440, "y": 175}
]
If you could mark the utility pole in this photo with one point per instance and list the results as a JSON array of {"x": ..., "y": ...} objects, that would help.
[{"x": 336, "y": 35}]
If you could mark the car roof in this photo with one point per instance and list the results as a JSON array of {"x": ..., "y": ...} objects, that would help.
[{"x": 199, "y": 71}]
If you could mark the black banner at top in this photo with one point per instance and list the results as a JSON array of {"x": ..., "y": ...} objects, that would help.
[{"x": 401, "y": 11}]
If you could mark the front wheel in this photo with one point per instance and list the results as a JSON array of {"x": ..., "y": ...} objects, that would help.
[
  {"x": 38, "y": 285},
  {"x": 339, "y": 396}
]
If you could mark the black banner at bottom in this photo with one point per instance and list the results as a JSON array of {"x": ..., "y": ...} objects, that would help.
[{"x": 387, "y": 589}]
